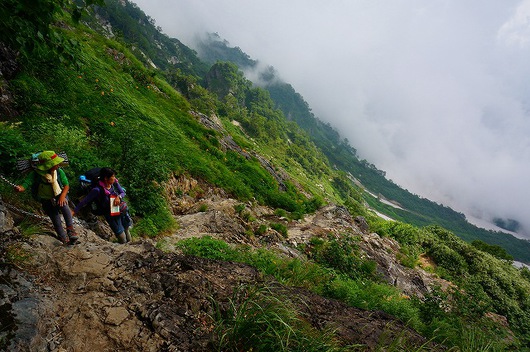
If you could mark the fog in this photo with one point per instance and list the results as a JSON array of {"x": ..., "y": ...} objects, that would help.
[{"x": 434, "y": 93}]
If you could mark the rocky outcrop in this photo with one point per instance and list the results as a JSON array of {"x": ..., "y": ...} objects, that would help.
[
  {"x": 22, "y": 304},
  {"x": 228, "y": 143}
]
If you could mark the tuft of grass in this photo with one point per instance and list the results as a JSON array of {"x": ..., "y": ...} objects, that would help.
[
  {"x": 164, "y": 245},
  {"x": 281, "y": 228},
  {"x": 247, "y": 216},
  {"x": 239, "y": 208},
  {"x": 257, "y": 319},
  {"x": 261, "y": 230},
  {"x": 17, "y": 255},
  {"x": 29, "y": 228}
]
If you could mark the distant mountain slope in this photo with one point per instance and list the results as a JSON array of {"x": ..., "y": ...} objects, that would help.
[
  {"x": 417, "y": 210},
  {"x": 132, "y": 26}
]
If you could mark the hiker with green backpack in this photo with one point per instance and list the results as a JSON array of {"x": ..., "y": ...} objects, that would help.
[{"x": 50, "y": 186}]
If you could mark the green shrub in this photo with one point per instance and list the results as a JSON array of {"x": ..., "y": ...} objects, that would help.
[
  {"x": 13, "y": 145},
  {"x": 280, "y": 212},
  {"x": 525, "y": 273},
  {"x": 281, "y": 228},
  {"x": 342, "y": 255},
  {"x": 207, "y": 247},
  {"x": 409, "y": 255},
  {"x": 261, "y": 230},
  {"x": 405, "y": 234},
  {"x": 155, "y": 223},
  {"x": 447, "y": 258},
  {"x": 494, "y": 250}
]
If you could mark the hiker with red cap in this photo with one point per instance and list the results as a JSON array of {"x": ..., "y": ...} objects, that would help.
[{"x": 50, "y": 186}]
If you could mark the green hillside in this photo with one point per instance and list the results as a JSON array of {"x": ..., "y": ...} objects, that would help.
[
  {"x": 340, "y": 153},
  {"x": 105, "y": 107},
  {"x": 132, "y": 98}
]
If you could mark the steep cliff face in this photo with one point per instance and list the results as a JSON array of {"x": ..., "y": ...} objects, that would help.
[{"x": 135, "y": 297}]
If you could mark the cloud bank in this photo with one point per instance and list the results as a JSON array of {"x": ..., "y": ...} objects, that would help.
[{"x": 434, "y": 93}]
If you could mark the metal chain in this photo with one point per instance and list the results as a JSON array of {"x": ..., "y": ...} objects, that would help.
[
  {"x": 7, "y": 181},
  {"x": 25, "y": 212}
]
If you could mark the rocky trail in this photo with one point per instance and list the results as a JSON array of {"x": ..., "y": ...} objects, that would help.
[{"x": 103, "y": 296}]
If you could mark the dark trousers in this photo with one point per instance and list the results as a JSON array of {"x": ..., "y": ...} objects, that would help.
[
  {"x": 54, "y": 211},
  {"x": 119, "y": 223}
]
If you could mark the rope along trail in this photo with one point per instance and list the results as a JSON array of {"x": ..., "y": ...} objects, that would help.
[{"x": 18, "y": 210}]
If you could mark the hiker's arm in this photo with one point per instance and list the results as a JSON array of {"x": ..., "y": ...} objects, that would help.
[
  {"x": 91, "y": 196},
  {"x": 28, "y": 181},
  {"x": 66, "y": 187},
  {"x": 62, "y": 197},
  {"x": 119, "y": 190}
]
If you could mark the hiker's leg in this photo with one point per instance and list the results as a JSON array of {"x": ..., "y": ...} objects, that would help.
[
  {"x": 126, "y": 222},
  {"x": 126, "y": 219},
  {"x": 127, "y": 234},
  {"x": 121, "y": 238},
  {"x": 53, "y": 213},
  {"x": 116, "y": 226},
  {"x": 67, "y": 214}
]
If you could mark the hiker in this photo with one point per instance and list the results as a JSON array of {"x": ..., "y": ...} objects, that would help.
[
  {"x": 106, "y": 188},
  {"x": 50, "y": 186}
]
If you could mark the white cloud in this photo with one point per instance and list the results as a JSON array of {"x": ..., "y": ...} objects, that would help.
[
  {"x": 435, "y": 93},
  {"x": 516, "y": 30}
]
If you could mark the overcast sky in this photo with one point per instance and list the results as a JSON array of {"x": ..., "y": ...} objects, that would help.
[{"x": 435, "y": 93}]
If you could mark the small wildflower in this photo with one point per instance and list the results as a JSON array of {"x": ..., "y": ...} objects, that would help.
[{"x": 112, "y": 123}]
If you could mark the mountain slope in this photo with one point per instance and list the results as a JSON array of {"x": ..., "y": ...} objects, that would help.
[
  {"x": 213, "y": 155},
  {"x": 414, "y": 209},
  {"x": 105, "y": 296}
]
